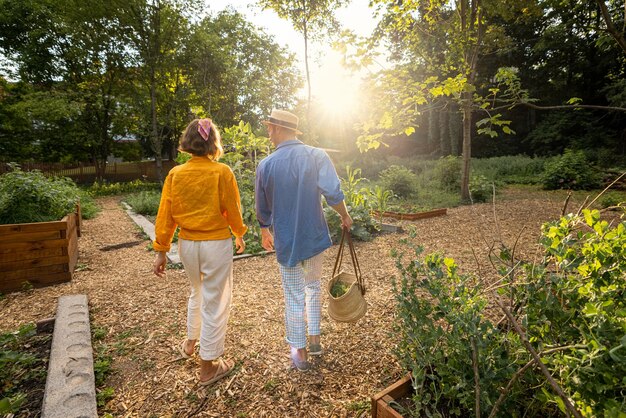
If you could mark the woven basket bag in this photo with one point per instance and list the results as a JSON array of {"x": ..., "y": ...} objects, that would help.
[{"x": 350, "y": 306}]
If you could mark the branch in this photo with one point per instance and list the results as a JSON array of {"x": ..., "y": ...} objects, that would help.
[
  {"x": 570, "y": 107},
  {"x": 617, "y": 35},
  {"x": 538, "y": 361},
  {"x": 476, "y": 376}
]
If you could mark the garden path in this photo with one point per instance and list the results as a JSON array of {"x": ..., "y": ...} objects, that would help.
[{"x": 145, "y": 317}]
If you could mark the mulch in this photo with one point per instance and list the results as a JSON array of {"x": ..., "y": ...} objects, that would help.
[{"x": 144, "y": 316}]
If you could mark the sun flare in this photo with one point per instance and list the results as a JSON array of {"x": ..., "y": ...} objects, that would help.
[{"x": 337, "y": 90}]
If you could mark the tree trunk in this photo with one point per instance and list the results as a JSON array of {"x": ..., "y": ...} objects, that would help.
[
  {"x": 454, "y": 129},
  {"x": 433, "y": 131},
  {"x": 444, "y": 142},
  {"x": 467, "y": 145}
]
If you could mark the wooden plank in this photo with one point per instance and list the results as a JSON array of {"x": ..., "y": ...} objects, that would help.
[
  {"x": 72, "y": 250},
  {"x": 33, "y": 227},
  {"x": 19, "y": 247},
  {"x": 34, "y": 263},
  {"x": 32, "y": 236},
  {"x": 36, "y": 281},
  {"x": 34, "y": 272},
  {"x": 380, "y": 408},
  {"x": 29, "y": 255}
]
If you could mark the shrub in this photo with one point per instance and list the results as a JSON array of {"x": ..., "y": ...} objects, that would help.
[
  {"x": 517, "y": 169},
  {"x": 363, "y": 225},
  {"x": 145, "y": 203},
  {"x": 571, "y": 308},
  {"x": 612, "y": 199},
  {"x": 399, "y": 179},
  {"x": 108, "y": 189},
  {"x": 570, "y": 171},
  {"x": 448, "y": 173},
  {"x": 29, "y": 196},
  {"x": 480, "y": 189}
]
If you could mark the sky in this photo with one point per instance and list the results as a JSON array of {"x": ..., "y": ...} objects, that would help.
[{"x": 331, "y": 83}]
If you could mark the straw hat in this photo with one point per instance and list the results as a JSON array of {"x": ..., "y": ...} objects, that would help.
[{"x": 283, "y": 119}]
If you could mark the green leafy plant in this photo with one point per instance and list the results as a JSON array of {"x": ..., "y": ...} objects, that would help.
[
  {"x": 480, "y": 189},
  {"x": 29, "y": 196},
  {"x": 565, "y": 313},
  {"x": 19, "y": 367},
  {"x": 381, "y": 198},
  {"x": 570, "y": 171},
  {"x": 448, "y": 173},
  {"x": 108, "y": 189},
  {"x": 339, "y": 288},
  {"x": 399, "y": 179},
  {"x": 144, "y": 202}
]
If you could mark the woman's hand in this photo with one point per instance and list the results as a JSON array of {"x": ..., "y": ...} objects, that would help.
[
  {"x": 240, "y": 244},
  {"x": 158, "y": 267}
]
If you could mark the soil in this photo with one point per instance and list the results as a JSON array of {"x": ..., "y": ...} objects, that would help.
[{"x": 143, "y": 316}]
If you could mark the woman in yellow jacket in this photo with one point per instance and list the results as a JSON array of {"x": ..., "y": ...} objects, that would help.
[{"x": 202, "y": 198}]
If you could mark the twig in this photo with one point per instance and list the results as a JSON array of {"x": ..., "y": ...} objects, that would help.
[
  {"x": 480, "y": 274},
  {"x": 538, "y": 361},
  {"x": 578, "y": 212},
  {"x": 476, "y": 376},
  {"x": 569, "y": 195},
  {"x": 520, "y": 372},
  {"x": 508, "y": 387},
  {"x": 605, "y": 189}
]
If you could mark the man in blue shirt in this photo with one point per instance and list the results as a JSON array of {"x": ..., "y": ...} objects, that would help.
[{"x": 290, "y": 184}]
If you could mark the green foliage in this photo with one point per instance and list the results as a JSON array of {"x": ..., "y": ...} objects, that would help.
[
  {"x": 570, "y": 171},
  {"x": 481, "y": 189},
  {"x": 18, "y": 368},
  {"x": 381, "y": 199},
  {"x": 517, "y": 169},
  {"x": 145, "y": 202},
  {"x": 612, "y": 199},
  {"x": 89, "y": 209},
  {"x": 437, "y": 335},
  {"x": 359, "y": 206},
  {"x": 109, "y": 189},
  {"x": 399, "y": 179},
  {"x": 29, "y": 196},
  {"x": 448, "y": 173},
  {"x": 582, "y": 305},
  {"x": 339, "y": 288},
  {"x": 572, "y": 308}
]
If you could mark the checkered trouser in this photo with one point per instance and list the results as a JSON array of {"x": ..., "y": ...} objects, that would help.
[{"x": 302, "y": 289}]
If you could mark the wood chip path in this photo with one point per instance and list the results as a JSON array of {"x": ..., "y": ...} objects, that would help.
[{"x": 145, "y": 317}]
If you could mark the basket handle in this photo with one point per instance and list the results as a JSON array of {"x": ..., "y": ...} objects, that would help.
[{"x": 346, "y": 236}]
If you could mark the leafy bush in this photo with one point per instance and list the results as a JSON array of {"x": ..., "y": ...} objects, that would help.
[
  {"x": 612, "y": 199},
  {"x": 570, "y": 171},
  {"x": 572, "y": 310},
  {"x": 517, "y": 169},
  {"x": 399, "y": 179},
  {"x": 108, "y": 189},
  {"x": 29, "y": 196},
  {"x": 480, "y": 189},
  {"x": 145, "y": 203},
  {"x": 448, "y": 173},
  {"x": 363, "y": 225},
  {"x": 88, "y": 206}
]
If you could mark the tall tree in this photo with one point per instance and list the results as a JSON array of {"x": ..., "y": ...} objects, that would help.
[
  {"x": 156, "y": 30},
  {"x": 312, "y": 18}
]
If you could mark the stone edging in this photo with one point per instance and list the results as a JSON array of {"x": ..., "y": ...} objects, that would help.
[{"x": 70, "y": 384}]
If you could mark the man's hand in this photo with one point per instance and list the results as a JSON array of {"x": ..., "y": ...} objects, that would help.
[
  {"x": 240, "y": 244},
  {"x": 267, "y": 239},
  {"x": 346, "y": 222},
  {"x": 158, "y": 267}
]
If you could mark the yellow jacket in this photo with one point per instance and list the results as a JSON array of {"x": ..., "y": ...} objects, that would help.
[{"x": 200, "y": 196}]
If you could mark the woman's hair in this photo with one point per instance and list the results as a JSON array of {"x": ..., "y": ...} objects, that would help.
[{"x": 193, "y": 142}]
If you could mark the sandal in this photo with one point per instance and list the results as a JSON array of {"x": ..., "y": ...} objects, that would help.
[
  {"x": 181, "y": 350},
  {"x": 224, "y": 368}
]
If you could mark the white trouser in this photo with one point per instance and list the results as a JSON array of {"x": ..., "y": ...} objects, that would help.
[{"x": 209, "y": 267}]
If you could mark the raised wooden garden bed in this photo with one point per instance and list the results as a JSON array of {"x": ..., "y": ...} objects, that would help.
[
  {"x": 413, "y": 216},
  {"x": 41, "y": 253},
  {"x": 380, "y": 402}
]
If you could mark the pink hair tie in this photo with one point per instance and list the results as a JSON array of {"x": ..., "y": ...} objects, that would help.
[{"x": 204, "y": 127}]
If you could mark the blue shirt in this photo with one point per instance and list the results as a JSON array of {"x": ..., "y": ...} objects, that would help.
[{"x": 290, "y": 184}]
